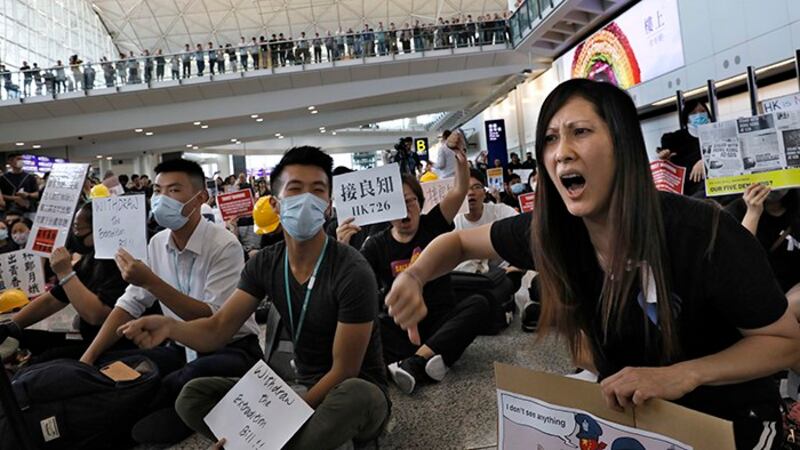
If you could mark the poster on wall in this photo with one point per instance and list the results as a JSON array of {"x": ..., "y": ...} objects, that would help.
[
  {"x": 641, "y": 44},
  {"x": 759, "y": 149},
  {"x": 496, "y": 141}
]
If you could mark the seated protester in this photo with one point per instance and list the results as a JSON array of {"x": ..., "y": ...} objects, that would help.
[
  {"x": 20, "y": 232},
  {"x": 346, "y": 232},
  {"x": 267, "y": 224},
  {"x": 91, "y": 286},
  {"x": 670, "y": 296},
  {"x": 324, "y": 291},
  {"x": 192, "y": 268},
  {"x": 773, "y": 217},
  {"x": 6, "y": 244},
  {"x": 451, "y": 326},
  {"x": 512, "y": 189}
]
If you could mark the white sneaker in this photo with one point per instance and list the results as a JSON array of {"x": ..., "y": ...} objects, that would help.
[
  {"x": 403, "y": 377},
  {"x": 436, "y": 368}
]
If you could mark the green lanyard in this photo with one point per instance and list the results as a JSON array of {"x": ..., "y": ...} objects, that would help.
[{"x": 296, "y": 335}]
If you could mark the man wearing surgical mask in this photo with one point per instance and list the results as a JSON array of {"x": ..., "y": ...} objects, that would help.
[
  {"x": 192, "y": 268},
  {"x": 19, "y": 188},
  {"x": 326, "y": 294},
  {"x": 682, "y": 147}
]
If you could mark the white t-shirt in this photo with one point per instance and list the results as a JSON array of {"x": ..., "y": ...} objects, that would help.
[
  {"x": 491, "y": 212},
  {"x": 445, "y": 162}
]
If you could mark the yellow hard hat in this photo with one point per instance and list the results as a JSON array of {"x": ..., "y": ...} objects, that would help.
[
  {"x": 428, "y": 176},
  {"x": 266, "y": 221},
  {"x": 12, "y": 300},
  {"x": 99, "y": 191}
]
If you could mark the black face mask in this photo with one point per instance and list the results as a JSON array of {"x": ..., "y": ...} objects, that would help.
[{"x": 75, "y": 244}]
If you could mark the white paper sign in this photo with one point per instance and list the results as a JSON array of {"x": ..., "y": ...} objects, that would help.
[
  {"x": 22, "y": 270},
  {"x": 57, "y": 207},
  {"x": 119, "y": 222},
  {"x": 371, "y": 196},
  {"x": 494, "y": 178},
  {"x": 260, "y": 412},
  {"x": 436, "y": 191}
]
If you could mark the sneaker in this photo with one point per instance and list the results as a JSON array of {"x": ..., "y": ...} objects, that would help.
[
  {"x": 162, "y": 427},
  {"x": 436, "y": 368},
  {"x": 408, "y": 372}
]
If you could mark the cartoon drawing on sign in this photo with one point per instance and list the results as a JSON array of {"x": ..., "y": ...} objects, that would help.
[
  {"x": 626, "y": 443},
  {"x": 589, "y": 433}
]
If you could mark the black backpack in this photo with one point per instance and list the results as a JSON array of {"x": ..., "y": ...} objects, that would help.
[
  {"x": 498, "y": 289},
  {"x": 66, "y": 404}
]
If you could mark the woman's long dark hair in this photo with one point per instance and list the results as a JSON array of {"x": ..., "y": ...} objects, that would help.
[{"x": 559, "y": 238}]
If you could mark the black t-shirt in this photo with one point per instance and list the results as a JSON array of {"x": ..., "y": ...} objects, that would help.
[
  {"x": 687, "y": 152},
  {"x": 11, "y": 183},
  {"x": 358, "y": 239},
  {"x": 344, "y": 291},
  {"x": 100, "y": 276},
  {"x": 389, "y": 258},
  {"x": 731, "y": 287},
  {"x": 785, "y": 259}
]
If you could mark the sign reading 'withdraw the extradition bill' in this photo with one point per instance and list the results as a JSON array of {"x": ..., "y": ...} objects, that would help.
[
  {"x": 371, "y": 196},
  {"x": 261, "y": 412},
  {"x": 119, "y": 222},
  {"x": 235, "y": 204},
  {"x": 56, "y": 208}
]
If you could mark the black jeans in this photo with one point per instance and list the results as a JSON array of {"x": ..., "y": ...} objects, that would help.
[{"x": 447, "y": 331}]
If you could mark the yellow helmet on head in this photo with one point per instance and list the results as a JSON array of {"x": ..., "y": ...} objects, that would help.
[
  {"x": 428, "y": 176},
  {"x": 99, "y": 191},
  {"x": 12, "y": 300},
  {"x": 266, "y": 221}
]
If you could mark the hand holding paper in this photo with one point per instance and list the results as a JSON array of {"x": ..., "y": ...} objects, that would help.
[
  {"x": 635, "y": 385},
  {"x": 346, "y": 230},
  {"x": 133, "y": 271}
]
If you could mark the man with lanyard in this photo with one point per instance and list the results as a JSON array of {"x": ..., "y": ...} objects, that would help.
[
  {"x": 19, "y": 188},
  {"x": 192, "y": 268},
  {"x": 326, "y": 293}
]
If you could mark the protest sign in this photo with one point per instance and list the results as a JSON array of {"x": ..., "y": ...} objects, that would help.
[
  {"x": 494, "y": 178},
  {"x": 234, "y": 204},
  {"x": 119, "y": 222},
  {"x": 789, "y": 102},
  {"x": 524, "y": 174},
  {"x": 371, "y": 195},
  {"x": 435, "y": 191},
  {"x": 539, "y": 410},
  {"x": 667, "y": 176},
  {"x": 22, "y": 270},
  {"x": 526, "y": 202},
  {"x": 56, "y": 208},
  {"x": 759, "y": 149},
  {"x": 260, "y": 412}
]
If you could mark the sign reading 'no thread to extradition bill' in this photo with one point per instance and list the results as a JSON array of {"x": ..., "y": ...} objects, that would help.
[
  {"x": 56, "y": 208},
  {"x": 371, "y": 196}
]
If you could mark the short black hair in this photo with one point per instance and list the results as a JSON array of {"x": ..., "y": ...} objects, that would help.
[
  {"x": 446, "y": 134},
  {"x": 690, "y": 106},
  {"x": 340, "y": 170},
  {"x": 304, "y": 156},
  {"x": 514, "y": 176},
  {"x": 134, "y": 177},
  {"x": 123, "y": 179},
  {"x": 412, "y": 182},
  {"x": 13, "y": 155},
  {"x": 190, "y": 168},
  {"x": 478, "y": 175}
]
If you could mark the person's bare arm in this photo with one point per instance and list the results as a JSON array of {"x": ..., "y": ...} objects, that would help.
[
  {"x": 107, "y": 336},
  {"x": 41, "y": 308},
  {"x": 452, "y": 202}
]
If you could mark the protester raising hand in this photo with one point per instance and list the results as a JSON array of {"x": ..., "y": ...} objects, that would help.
[
  {"x": 754, "y": 197},
  {"x": 133, "y": 271}
]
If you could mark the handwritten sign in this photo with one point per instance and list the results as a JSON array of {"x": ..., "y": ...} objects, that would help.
[
  {"x": 435, "y": 191},
  {"x": 119, "y": 222},
  {"x": 371, "y": 196},
  {"x": 668, "y": 176},
  {"x": 57, "y": 207},
  {"x": 235, "y": 204},
  {"x": 526, "y": 202},
  {"x": 494, "y": 178},
  {"x": 261, "y": 412},
  {"x": 22, "y": 270}
]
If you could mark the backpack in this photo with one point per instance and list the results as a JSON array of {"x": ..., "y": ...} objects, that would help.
[
  {"x": 66, "y": 404},
  {"x": 498, "y": 289}
]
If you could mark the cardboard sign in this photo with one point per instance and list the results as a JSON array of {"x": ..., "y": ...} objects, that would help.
[
  {"x": 435, "y": 191},
  {"x": 234, "y": 204},
  {"x": 57, "y": 207},
  {"x": 526, "y": 202},
  {"x": 261, "y": 412},
  {"x": 667, "y": 176},
  {"x": 371, "y": 196},
  {"x": 120, "y": 222},
  {"x": 22, "y": 270},
  {"x": 494, "y": 178},
  {"x": 539, "y": 410}
]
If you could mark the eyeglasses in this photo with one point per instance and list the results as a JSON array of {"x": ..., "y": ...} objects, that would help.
[{"x": 476, "y": 187}]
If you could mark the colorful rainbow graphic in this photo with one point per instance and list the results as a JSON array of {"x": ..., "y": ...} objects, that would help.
[{"x": 607, "y": 56}]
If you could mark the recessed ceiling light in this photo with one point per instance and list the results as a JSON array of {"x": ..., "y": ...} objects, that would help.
[
  {"x": 204, "y": 126},
  {"x": 277, "y": 135},
  {"x": 311, "y": 108},
  {"x": 195, "y": 147},
  {"x": 188, "y": 145},
  {"x": 333, "y": 133},
  {"x": 109, "y": 158},
  {"x": 37, "y": 146},
  {"x": 149, "y": 133},
  {"x": 234, "y": 140},
  {"x": 314, "y": 111},
  {"x": 260, "y": 119},
  {"x": 254, "y": 116},
  {"x": 138, "y": 130},
  {"x": 20, "y": 144},
  {"x": 280, "y": 137},
  {"x": 196, "y": 123},
  {"x": 321, "y": 128},
  {"x": 99, "y": 156},
  {"x": 322, "y": 131}
]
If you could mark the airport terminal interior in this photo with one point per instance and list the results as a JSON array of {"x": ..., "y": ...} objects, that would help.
[{"x": 400, "y": 224}]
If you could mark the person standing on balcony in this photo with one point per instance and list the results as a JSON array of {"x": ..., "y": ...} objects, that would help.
[
  {"x": 186, "y": 59},
  {"x": 37, "y": 78},
  {"x": 405, "y": 38},
  {"x": 330, "y": 46},
  {"x": 470, "y": 30},
  {"x": 61, "y": 77},
  {"x": 231, "y": 52},
  {"x": 28, "y": 78},
  {"x": 121, "y": 70},
  {"x": 317, "y": 44},
  {"x": 254, "y": 53},
  {"x": 350, "y": 40},
  {"x": 220, "y": 59},
  {"x": 148, "y": 66},
  {"x": 175, "y": 65},
  {"x": 212, "y": 58},
  {"x": 243, "y": 53},
  {"x": 264, "y": 52},
  {"x": 108, "y": 71},
  {"x": 302, "y": 55},
  {"x": 417, "y": 32},
  {"x": 380, "y": 35},
  {"x": 160, "y": 63},
  {"x": 77, "y": 75},
  {"x": 200, "y": 60},
  {"x": 133, "y": 69}
]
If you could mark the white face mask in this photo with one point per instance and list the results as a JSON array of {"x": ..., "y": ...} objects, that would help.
[{"x": 19, "y": 164}]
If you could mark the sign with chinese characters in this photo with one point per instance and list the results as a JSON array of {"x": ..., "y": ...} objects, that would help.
[
  {"x": 526, "y": 202},
  {"x": 371, "y": 196},
  {"x": 260, "y": 412},
  {"x": 22, "y": 270},
  {"x": 119, "y": 222},
  {"x": 235, "y": 204},
  {"x": 668, "y": 177},
  {"x": 496, "y": 141},
  {"x": 56, "y": 208},
  {"x": 435, "y": 191}
]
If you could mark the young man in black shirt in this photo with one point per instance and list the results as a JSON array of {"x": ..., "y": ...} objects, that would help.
[
  {"x": 19, "y": 188},
  {"x": 448, "y": 330},
  {"x": 324, "y": 290}
]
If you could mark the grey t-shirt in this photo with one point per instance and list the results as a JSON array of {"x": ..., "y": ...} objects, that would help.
[{"x": 345, "y": 291}]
